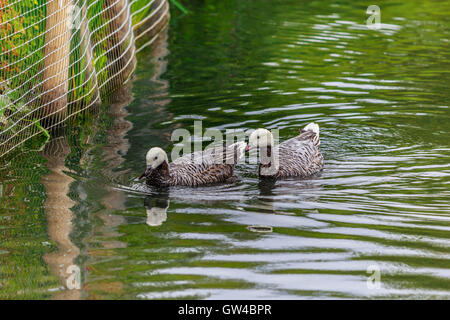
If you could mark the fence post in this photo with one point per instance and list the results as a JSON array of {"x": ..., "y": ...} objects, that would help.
[
  {"x": 56, "y": 61},
  {"x": 121, "y": 42}
]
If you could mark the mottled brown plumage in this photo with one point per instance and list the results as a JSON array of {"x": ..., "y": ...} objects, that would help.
[{"x": 199, "y": 168}]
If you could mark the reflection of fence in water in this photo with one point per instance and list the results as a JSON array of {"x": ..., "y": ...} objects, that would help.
[
  {"x": 59, "y": 216},
  {"x": 60, "y": 57}
]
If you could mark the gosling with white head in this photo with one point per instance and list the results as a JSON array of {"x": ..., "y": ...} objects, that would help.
[
  {"x": 297, "y": 157},
  {"x": 213, "y": 165}
]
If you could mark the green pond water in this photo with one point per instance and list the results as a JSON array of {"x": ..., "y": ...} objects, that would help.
[{"x": 381, "y": 206}]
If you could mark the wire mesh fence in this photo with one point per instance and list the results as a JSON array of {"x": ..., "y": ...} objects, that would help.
[{"x": 60, "y": 57}]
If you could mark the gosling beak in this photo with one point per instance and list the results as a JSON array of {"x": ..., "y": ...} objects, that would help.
[{"x": 146, "y": 173}]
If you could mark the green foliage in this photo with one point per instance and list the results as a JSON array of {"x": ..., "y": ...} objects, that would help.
[
  {"x": 22, "y": 26},
  {"x": 179, "y": 6},
  {"x": 139, "y": 9}
]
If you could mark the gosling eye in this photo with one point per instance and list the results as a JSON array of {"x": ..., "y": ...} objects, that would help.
[
  {"x": 156, "y": 158},
  {"x": 257, "y": 137}
]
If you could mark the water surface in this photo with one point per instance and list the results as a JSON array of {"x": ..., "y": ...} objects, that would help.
[{"x": 381, "y": 202}]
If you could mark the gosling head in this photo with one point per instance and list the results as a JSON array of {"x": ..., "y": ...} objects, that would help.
[
  {"x": 260, "y": 138},
  {"x": 154, "y": 158}
]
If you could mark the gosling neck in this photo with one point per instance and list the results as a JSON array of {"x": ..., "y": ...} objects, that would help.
[{"x": 160, "y": 175}]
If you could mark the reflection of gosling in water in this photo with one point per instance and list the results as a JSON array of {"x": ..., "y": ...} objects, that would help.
[{"x": 156, "y": 211}]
